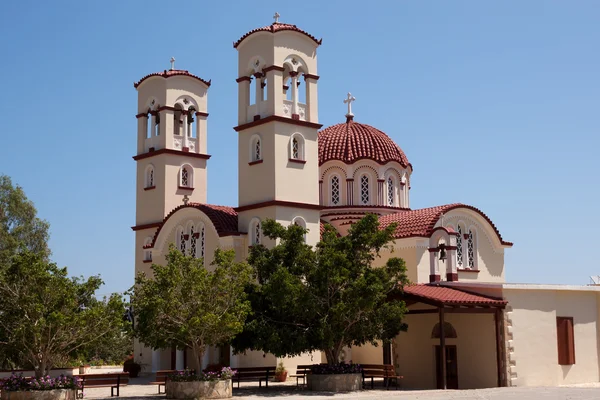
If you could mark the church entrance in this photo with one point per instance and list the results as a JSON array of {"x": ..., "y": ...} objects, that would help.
[
  {"x": 224, "y": 355},
  {"x": 451, "y": 367}
]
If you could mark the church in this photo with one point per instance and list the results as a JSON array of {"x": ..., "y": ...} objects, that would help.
[{"x": 468, "y": 328}]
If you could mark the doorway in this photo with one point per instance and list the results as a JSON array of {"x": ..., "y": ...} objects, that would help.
[
  {"x": 451, "y": 367},
  {"x": 224, "y": 355}
]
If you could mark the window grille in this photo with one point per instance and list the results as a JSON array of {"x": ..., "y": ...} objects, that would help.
[
  {"x": 364, "y": 189},
  {"x": 390, "y": 192},
  {"x": 184, "y": 177},
  {"x": 192, "y": 243},
  {"x": 182, "y": 241},
  {"x": 459, "y": 247},
  {"x": 257, "y": 155},
  {"x": 295, "y": 149},
  {"x": 471, "y": 249},
  {"x": 335, "y": 190}
]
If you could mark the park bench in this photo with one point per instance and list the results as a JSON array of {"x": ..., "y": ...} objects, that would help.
[
  {"x": 301, "y": 372},
  {"x": 384, "y": 371},
  {"x": 113, "y": 381},
  {"x": 259, "y": 374}
]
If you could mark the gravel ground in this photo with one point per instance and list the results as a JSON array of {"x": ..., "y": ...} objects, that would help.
[{"x": 139, "y": 390}]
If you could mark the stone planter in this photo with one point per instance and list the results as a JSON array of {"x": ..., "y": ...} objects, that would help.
[
  {"x": 199, "y": 390},
  {"x": 58, "y": 394},
  {"x": 334, "y": 382}
]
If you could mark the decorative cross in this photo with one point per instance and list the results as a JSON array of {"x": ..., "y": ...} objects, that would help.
[
  {"x": 172, "y": 63},
  {"x": 185, "y": 199},
  {"x": 276, "y": 17},
  {"x": 349, "y": 100}
]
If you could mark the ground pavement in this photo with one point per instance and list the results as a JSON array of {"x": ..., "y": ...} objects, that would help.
[{"x": 139, "y": 389}]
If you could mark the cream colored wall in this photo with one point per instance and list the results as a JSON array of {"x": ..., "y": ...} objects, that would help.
[
  {"x": 253, "y": 359},
  {"x": 367, "y": 354},
  {"x": 533, "y": 318},
  {"x": 414, "y": 350},
  {"x": 256, "y": 183},
  {"x": 408, "y": 254}
]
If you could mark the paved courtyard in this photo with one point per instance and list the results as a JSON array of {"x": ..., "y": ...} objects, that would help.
[{"x": 139, "y": 389}]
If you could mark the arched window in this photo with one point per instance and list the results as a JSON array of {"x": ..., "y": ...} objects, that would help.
[
  {"x": 335, "y": 190},
  {"x": 255, "y": 232},
  {"x": 193, "y": 240},
  {"x": 191, "y": 128},
  {"x": 149, "y": 124},
  {"x": 147, "y": 252},
  {"x": 471, "y": 250},
  {"x": 178, "y": 120},
  {"x": 449, "y": 331},
  {"x": 181, "y": 240},
  {"x": 149, "y": 180},
  {"x": 157, "y": 123},
  {"x": 186, "y": 177},
  {"x": 297, "y": 147},
  {"x": 390, "y": 192},
  {"x": 459, "y": 248},
  {"x": 202, "y": 241},
  {"x": 255, "y": 149},
  {"x": 299, "y": 221},
  {"x": 364, "y": 190}
]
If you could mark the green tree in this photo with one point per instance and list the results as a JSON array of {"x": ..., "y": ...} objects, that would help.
[
  {"x": 46, "y": 316},
  {"x": 187, "y": 306},
  {"x": 325, "y": 298},
  {"x": 20, "y": 228}
]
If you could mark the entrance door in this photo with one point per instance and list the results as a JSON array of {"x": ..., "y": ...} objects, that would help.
[
  {"x": 224, "y": 355},
  {"x": 451, "y": 367}
]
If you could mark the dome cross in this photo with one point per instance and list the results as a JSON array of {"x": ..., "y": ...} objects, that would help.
[
  {"x": 349, "y": 100},
  {"x": 276, "y": 17},
  {"x": 172, "y": 60}
]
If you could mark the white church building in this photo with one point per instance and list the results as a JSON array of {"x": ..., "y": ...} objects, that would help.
[{"x": 468, "y": 328}]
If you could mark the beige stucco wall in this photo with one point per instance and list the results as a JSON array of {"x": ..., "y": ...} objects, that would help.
[
  {"x": 533, "y": 318},
  {"x": 408, "y": 254},
  {"x": 414, "y": 350},
  {"x": 367, "y": 354}
]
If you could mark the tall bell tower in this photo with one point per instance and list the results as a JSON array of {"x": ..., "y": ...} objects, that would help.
[
  {"x": 171, "y": 149},
  {"x": 277, "y": 129}
]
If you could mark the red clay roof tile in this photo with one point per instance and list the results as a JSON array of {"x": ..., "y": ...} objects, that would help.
[
  {"x": 169, "y": 73},
  {"x": 352, "y": 141},
  {"x": 450, "y": 296},
  {"x": 422, "y": 221},
  {"x": 277, "y": 27}
]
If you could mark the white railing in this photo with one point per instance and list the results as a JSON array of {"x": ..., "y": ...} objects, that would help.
[
  {"x": 288, "y": 105},
  {"x": 151, "y": 142},
  {"x": 178, "y": 143}
]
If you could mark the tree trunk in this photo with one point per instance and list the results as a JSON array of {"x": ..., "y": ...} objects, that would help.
[
  {"x": 198, "y": 352},
  {"x": 332, "y": 356}
]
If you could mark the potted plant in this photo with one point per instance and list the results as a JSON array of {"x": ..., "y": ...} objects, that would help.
[
  {"x": 205, "y": 385},
  {"x": 280, "y": 372},
  {"x": 18, "y": 387},
  {"x": 132, "y": 367}
]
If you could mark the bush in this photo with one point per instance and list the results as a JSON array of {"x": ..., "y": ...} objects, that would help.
[
  {"x": 341, "y": 368},
  {"x": 190, "y": 376},
  {"x": 19, "y": 383}
]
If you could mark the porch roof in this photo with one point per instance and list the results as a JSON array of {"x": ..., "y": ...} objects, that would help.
[{"x": 440, "y": 296}]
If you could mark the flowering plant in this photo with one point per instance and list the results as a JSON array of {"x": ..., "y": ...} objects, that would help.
[
  {"x": 189, "y": 375},
  {"x": 341, "y": 368},
  {"x": 20, "y": 383}
]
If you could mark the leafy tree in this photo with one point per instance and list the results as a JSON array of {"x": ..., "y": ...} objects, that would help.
[
  {"x": 20, "y": 228},
  {"x": 187, "y": 306},
  {"x": 47, "y": 316},
  {"x": 323, "y": 299}
]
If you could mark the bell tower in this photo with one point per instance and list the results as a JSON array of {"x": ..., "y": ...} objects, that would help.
[
  {"x": 171, "y": 148},
  {"x": 277, "y": 129}
]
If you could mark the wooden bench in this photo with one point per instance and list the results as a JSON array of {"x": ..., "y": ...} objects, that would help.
[
  {"x": 113, "y": 381},
  {"x": 254, "y": 373},
  {"x": 161, "y": 378},
  {"x": 385, "y": 371},
  {"x": 301, "y": 372}
]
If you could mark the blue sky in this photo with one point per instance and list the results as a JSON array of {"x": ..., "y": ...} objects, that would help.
[{"x": 496, "y": 105}]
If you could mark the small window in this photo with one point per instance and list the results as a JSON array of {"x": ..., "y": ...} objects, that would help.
[
  {"x": 181, "y": 240},
  {"x": 186, "y": 177},
  {"x": 335, "y": 190},
  {"x": 147, "y": 252},
  {"x": 565, "y": 340},
  {"x": 364, "y": 190},
  {"x": 459, "y": 248},
  {"x": 256, "y": 149},
  {"x": 471, "y": 251},
  {"x": 202, "y": 242},
  {"x": 390, "y": 191},
  {"x": 193, "y": 240},
  {"x": 297, "y": 147},
  {"x": 149, "y": 177},
  {"x": 255, "y": 232}
]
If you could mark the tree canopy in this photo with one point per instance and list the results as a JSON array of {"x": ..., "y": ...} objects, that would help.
[
  {"x": 46, "y": 317},
  {"x": 20, "y": 228},
  {"x": 326, "y": 298},
  {"x": 187, "y": 305}
]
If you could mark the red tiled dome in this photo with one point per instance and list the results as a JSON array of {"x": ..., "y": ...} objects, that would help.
[
  {"x": 169, "y": 73},
  {"x": 352, "y": 141},
  {"x": 277, "y": 27}
]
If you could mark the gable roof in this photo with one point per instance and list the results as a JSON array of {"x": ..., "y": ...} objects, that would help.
[
  {"x": 420, "y": 223},
  {"x": 443, "y": 295},
  {"x": 224, "y": 218}
]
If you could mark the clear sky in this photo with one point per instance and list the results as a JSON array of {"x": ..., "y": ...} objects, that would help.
[{"x": 496, "y": 104}]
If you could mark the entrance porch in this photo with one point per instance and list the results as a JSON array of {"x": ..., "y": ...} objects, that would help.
[{"x": 468, "y": 353}]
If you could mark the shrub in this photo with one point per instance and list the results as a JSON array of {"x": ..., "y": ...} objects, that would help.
[
  {"x": 189, "y": 375},
  {"x": 341, "y": 368},
  {"x": 19, "y": 383}
]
